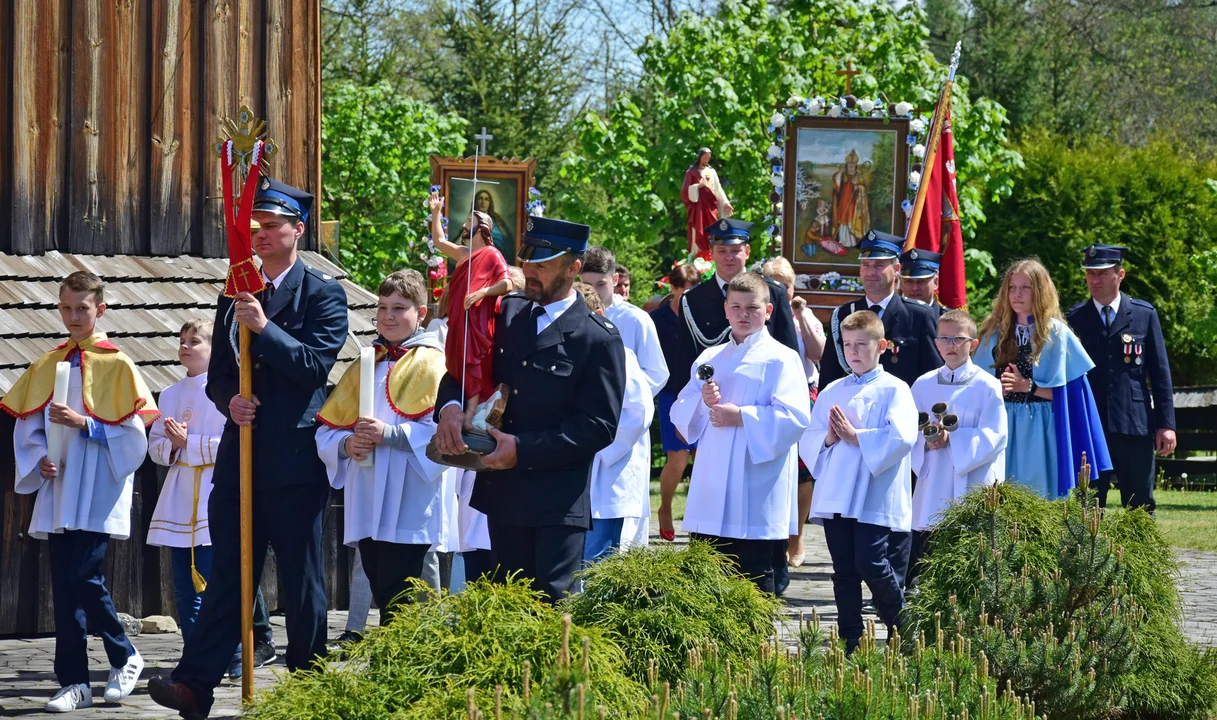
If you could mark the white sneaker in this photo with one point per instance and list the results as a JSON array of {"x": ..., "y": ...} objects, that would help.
[
  {"x": 71, "y": 698},
  {"x": 122, "y": 680}
]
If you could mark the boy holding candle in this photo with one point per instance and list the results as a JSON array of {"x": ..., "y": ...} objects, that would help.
[
  {"x": 84, "y": 487},
  {"x": 394, "y": 496},
  {"x": 746, "y": 412},
  {"x": 863, "y": 428},
  {"x": 966, "y": 449}
]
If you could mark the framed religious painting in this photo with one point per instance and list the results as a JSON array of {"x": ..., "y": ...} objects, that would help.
[
  {"x": 844, "y": 177},
  {"x": 501, "y": 192}
]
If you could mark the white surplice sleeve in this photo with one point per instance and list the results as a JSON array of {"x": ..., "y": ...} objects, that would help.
[
  {"x": 336, "y": 467},
  {"x": 636, "y": 411},
  {"x": 689, "y": 413},
  {"x": 972, "y": 447},
  {"x": 811, "y": 446},
  {"x": 160, "y": 448},
  {"x": 29, "y": 447},
  {"x": 418, "y": 434},
  {"x": 884, "y": 446},
  {"x": 650, "y": 353},
  {"x": 126, "y": 446},
  {"x": 771, "y": 430}
]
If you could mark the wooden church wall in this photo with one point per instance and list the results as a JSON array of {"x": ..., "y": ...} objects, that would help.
[{"x": 109, "y": 111}]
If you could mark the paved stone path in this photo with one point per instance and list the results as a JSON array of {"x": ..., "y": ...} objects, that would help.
[{"x": 27, "y": 679}]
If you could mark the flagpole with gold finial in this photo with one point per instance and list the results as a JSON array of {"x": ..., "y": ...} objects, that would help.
[{"x": 931, "y": 154}]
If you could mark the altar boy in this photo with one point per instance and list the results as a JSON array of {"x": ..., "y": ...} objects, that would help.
[
  {"x": 84, "y": 497},
  {"x": 862, "y": 431},
  {"x": 621, "y": 472},
  {"x": 746, "y": 420},
  {"x": 974, "y": 453},
  {"x": 394, "y": 508}
]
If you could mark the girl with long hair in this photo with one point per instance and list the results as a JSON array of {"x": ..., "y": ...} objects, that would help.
[{"x": 1042, "y": 366}]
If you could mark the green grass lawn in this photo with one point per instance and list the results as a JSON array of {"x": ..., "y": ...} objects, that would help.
[{"x": 1187, "y": 519}]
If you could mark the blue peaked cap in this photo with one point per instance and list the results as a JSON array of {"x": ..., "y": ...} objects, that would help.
[
  {"x": 546, "y": 238},
  {"x": 917, "y": 263},
  {"x": 729, "y": 231},
  {"x": 283, "y": 199},
  {"x": 878, "y": 245}
]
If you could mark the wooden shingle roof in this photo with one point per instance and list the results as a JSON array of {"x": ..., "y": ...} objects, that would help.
[{"x": 147, "y": 298}]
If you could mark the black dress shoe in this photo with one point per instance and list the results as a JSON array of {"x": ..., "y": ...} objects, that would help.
[{"x": 175, "y": 696}]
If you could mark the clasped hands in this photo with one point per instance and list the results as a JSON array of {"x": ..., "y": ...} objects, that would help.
[
  {"x": 721, "y": 414},
  {"x": 839, "y": 428},
  {"x": 1012, "y": 381},
  {"x": 449, "y": 442}
]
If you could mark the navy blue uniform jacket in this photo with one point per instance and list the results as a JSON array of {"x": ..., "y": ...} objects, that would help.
[
  {"x": 1122, "y": 390},
  {"x": 910, "y": 325},
  {"x": 306, "y": 327},
  {"x": 567, "y": 385}
]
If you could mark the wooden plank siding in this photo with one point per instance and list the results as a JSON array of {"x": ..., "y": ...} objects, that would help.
[{"x": 109, "y": 112}]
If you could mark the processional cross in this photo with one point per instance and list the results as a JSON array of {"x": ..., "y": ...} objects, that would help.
[{"x": 849, "y": 74}]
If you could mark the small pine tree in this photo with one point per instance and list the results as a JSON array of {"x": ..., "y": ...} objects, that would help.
[{"x": 1062, "y": 635}]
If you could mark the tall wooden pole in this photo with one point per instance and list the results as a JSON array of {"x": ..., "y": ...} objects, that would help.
[{"x": 244, "y": 82}]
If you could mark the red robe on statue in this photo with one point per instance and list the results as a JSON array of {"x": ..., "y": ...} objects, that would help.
[
  {"x": 702, "y": 214},
  {"x": 488, "y": 268}
]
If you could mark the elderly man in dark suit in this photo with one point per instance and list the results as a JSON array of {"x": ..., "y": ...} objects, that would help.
[
  {"x": 908, "y": 325},
  {"x": 1131, "y": 378},
  {"x": 299, "y": 324},
  {"x": 566, "y": 369}
]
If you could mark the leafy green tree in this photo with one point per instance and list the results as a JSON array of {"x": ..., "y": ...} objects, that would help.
[
  {"x": 374, "y": 163},
  {"x": 1154, "y": 200},
  {"x": 715, "y": 80}
]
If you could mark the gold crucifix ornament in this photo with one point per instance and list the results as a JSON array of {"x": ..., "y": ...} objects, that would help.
[{"x": 244, "y": 135}]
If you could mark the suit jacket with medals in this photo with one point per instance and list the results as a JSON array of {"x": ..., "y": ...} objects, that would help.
[
  {"x": 1123, "y": 389},
  {"x": 911, "y": 326}
]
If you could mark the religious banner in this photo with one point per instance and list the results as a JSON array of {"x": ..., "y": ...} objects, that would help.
[
  {"x": 502, "y": 193},
  {"x": 846, "y": 177}
]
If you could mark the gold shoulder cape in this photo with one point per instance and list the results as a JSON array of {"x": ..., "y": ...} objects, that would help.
[
  {"x": 412, "y": 387},
  {"x": 110, "y": 384}
]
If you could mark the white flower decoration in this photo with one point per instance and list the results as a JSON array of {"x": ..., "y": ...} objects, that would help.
[
  {"x": 903, "y": 108},
  {"x": 919, "y": 150},
  {"x": 914, "y": 178},
  {"x": 834, "y": 111},
  {"x": 816, "y": 106},
  {"x": 777, "y": 207},
  {"x": 794, "y": 101},
  {"x": 917, "y": 126},
  {"x": 775, "y": 151},
  {"x": 866, "y": 106},
  {"x": 777, "y": 180},
  {"x": 778, "y": 120}
]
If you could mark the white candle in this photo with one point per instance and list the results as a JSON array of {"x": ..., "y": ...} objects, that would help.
[
  {"x": 54, "y": 434},
  {"x": 367, "y": 388}
]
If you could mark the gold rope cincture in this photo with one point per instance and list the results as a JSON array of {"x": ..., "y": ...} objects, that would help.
[{"x": 200, "y": 584}]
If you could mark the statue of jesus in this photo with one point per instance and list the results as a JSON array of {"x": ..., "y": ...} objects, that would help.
[{"x": 704, "y": 197}]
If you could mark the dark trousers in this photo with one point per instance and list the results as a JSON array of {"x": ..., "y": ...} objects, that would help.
[
  {"x": 899, "y": 555},
  {"x": 477, "y": 564},
  {"x": 860, "y": 554},
  {"x": 753, "y": 558},
  {"x": 916, "y": 556},
  {"x": 1134, "y": 463},
  {"x": 189, "y": 601},
  {"x": 289, "y": 519},
  {"x": 388, "y": 566},
  {"x": 82, "y": 603},
  {"x": 549, "y": 555}
]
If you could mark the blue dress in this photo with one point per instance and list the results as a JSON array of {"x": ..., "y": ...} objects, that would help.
[{"x": 1047, "y": 438}]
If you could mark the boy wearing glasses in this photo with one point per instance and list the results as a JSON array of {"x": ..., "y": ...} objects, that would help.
[{"x": 964, "y": 447}]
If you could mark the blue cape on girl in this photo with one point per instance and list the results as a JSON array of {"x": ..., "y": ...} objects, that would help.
[{"x": 1076, "y": 428}]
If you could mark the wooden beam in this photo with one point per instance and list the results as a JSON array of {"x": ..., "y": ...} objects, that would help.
[
  {"x": 219, "y": 102},
  {"x": 179, "y": 143},
  {"x": 109, "y": 96},
  {"x": 6, "y": 123},
  {"x": 39, "y": 125}
]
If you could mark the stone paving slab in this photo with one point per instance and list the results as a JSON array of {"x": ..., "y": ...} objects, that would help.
[{"x": 27, "y": 677}]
